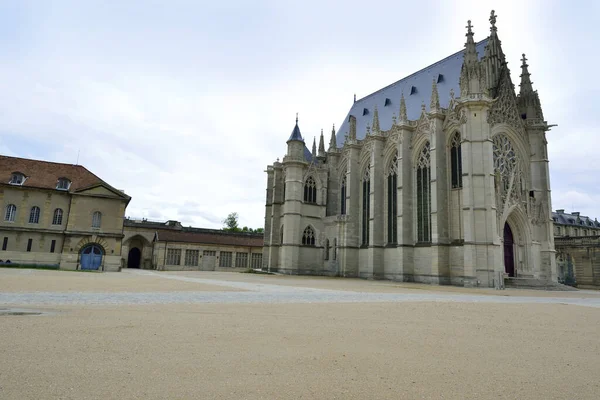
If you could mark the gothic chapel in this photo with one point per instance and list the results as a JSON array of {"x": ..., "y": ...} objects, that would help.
[{"x": 457, "y": 193}]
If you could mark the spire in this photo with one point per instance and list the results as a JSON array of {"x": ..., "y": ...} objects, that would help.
[
  {"x": 376, "y": 128},
  {"x": 296, "y": 132},
  {"x": 526, "y": 86},
  {"x": 528, "y": 99},
  {"x": 435, "y": 97},
  {"x": 332, "y": 141},
  {"x": 471, "y": 73},
  {"x": 352, "y": 134},
  {"x": 493, "y": 57},
  {"x": 403, "y": 116},
  {"x": 470, "y": 50},
  {"x": 314, "y": 148},
  {"x": 321, "y": 145}
]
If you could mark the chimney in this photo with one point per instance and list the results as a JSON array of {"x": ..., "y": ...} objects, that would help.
[{"x": 560, "y": 211}]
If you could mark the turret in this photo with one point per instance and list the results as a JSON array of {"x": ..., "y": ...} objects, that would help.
[
  {"x": 314, "y": 149},
  {"x": 296, "y": 143}
]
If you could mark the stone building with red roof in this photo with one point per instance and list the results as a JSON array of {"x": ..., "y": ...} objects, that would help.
[
  {"x": 169, "y": 246},
  {"x": 59, "y": 214}
]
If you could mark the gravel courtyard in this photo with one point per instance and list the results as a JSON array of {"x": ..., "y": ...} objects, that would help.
[{"x": 210, "y": 335}]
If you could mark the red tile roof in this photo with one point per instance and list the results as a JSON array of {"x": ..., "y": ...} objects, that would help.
[
  {"x": 45, "y": 174},
  {"x": 212, "y": 237}
]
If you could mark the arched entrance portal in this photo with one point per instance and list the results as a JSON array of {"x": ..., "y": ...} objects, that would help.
[
  {"x": 91, "y": 257},
  {"x": 133, "y": 260},
  {"x": 509, "y": 253}
]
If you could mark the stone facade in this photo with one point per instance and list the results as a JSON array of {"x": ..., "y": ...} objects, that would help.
[
  {"x": 169, "y": 246},
  {"x": 577, "y": 241},
  {"x": 455, "y": 194},
  {"x": 53, "y": 212}
]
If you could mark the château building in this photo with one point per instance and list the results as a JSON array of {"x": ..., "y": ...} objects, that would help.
[
  {"x": 59, "y": 215},
  {"x": 441, "y": 177}
]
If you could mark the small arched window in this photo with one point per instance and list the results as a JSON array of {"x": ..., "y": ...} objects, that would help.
[
  {"x": 34, "y": 215},
  {"x": 96, "y": 219},
  {"x": 343, "y": 196},
  {"x": 456, "y": 161},
  {"x": 327, "y": 249},
  {"x": 310, "y": 190},
  {"x": 57, "y": 218},
  {"x": 281, "y": 235},
  {"x": 11, "y": 213},
  {"x": 308, "y": 237}
]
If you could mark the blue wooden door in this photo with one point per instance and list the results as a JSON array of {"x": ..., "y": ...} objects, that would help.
[{"x": 91, "y": 258}]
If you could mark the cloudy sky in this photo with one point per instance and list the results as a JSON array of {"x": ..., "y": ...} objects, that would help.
[{"x": 183, "y": 104}]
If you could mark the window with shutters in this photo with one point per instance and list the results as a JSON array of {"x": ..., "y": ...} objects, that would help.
[
  {"x": 225, "y": 259},
  {"x": 173, "y": 256},
  {"x": 241, "y": 260},
  {"x": 191, "y": 258}
]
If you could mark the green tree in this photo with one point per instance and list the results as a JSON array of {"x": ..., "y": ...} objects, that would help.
[{"x": 231, "y": 223}]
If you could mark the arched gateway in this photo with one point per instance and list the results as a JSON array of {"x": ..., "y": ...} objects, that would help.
[{"x": 134, "y": 257}]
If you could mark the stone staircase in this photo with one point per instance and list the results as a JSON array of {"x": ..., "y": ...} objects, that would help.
[{"x": 536, "y": 284}]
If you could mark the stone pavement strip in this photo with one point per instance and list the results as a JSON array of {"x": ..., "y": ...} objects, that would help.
[{"x": 265, "y": 293}]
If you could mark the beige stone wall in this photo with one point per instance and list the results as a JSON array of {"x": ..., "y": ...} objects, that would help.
[
  {"x": 25, "y": 199},
  {"x": 71, "y": 235},
  {"x": 83, "y": 208},
  {"x": 210, "y": 264}
]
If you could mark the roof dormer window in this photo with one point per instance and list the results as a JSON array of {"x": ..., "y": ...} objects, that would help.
[
  {"x": 63, "y": 184},
  {"x": 17, "y": 178}
]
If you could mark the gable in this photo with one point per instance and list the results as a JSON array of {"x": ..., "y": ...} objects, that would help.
[{"x": 104, "y": 191}]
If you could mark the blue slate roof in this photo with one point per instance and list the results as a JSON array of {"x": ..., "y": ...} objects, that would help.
[
  {"x": 416, "y": 89},
  {"x": 574, "y": 219},
  {"x": 296, "y": 134}
]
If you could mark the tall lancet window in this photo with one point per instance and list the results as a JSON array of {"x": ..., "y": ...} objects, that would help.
[
  {"x": 310, "y": 190},
  {"x": 366, "y": 205},
  {"x": 424, "y": 196},
  {"x": 456, "y": 161},
  {"x": 343, "y": 196},
  {"x": 392, "y": 200},
  {"x": 283, "y": 194}
]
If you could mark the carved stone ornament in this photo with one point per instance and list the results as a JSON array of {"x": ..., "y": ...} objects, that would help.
[
  {"x": 423, "y": 124},
  {"x": 504, "y": 109},
  {"x": 508, "y": 175},
  {"x": 367, "y": 147},
  {"x": 392, "y": 168}
]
